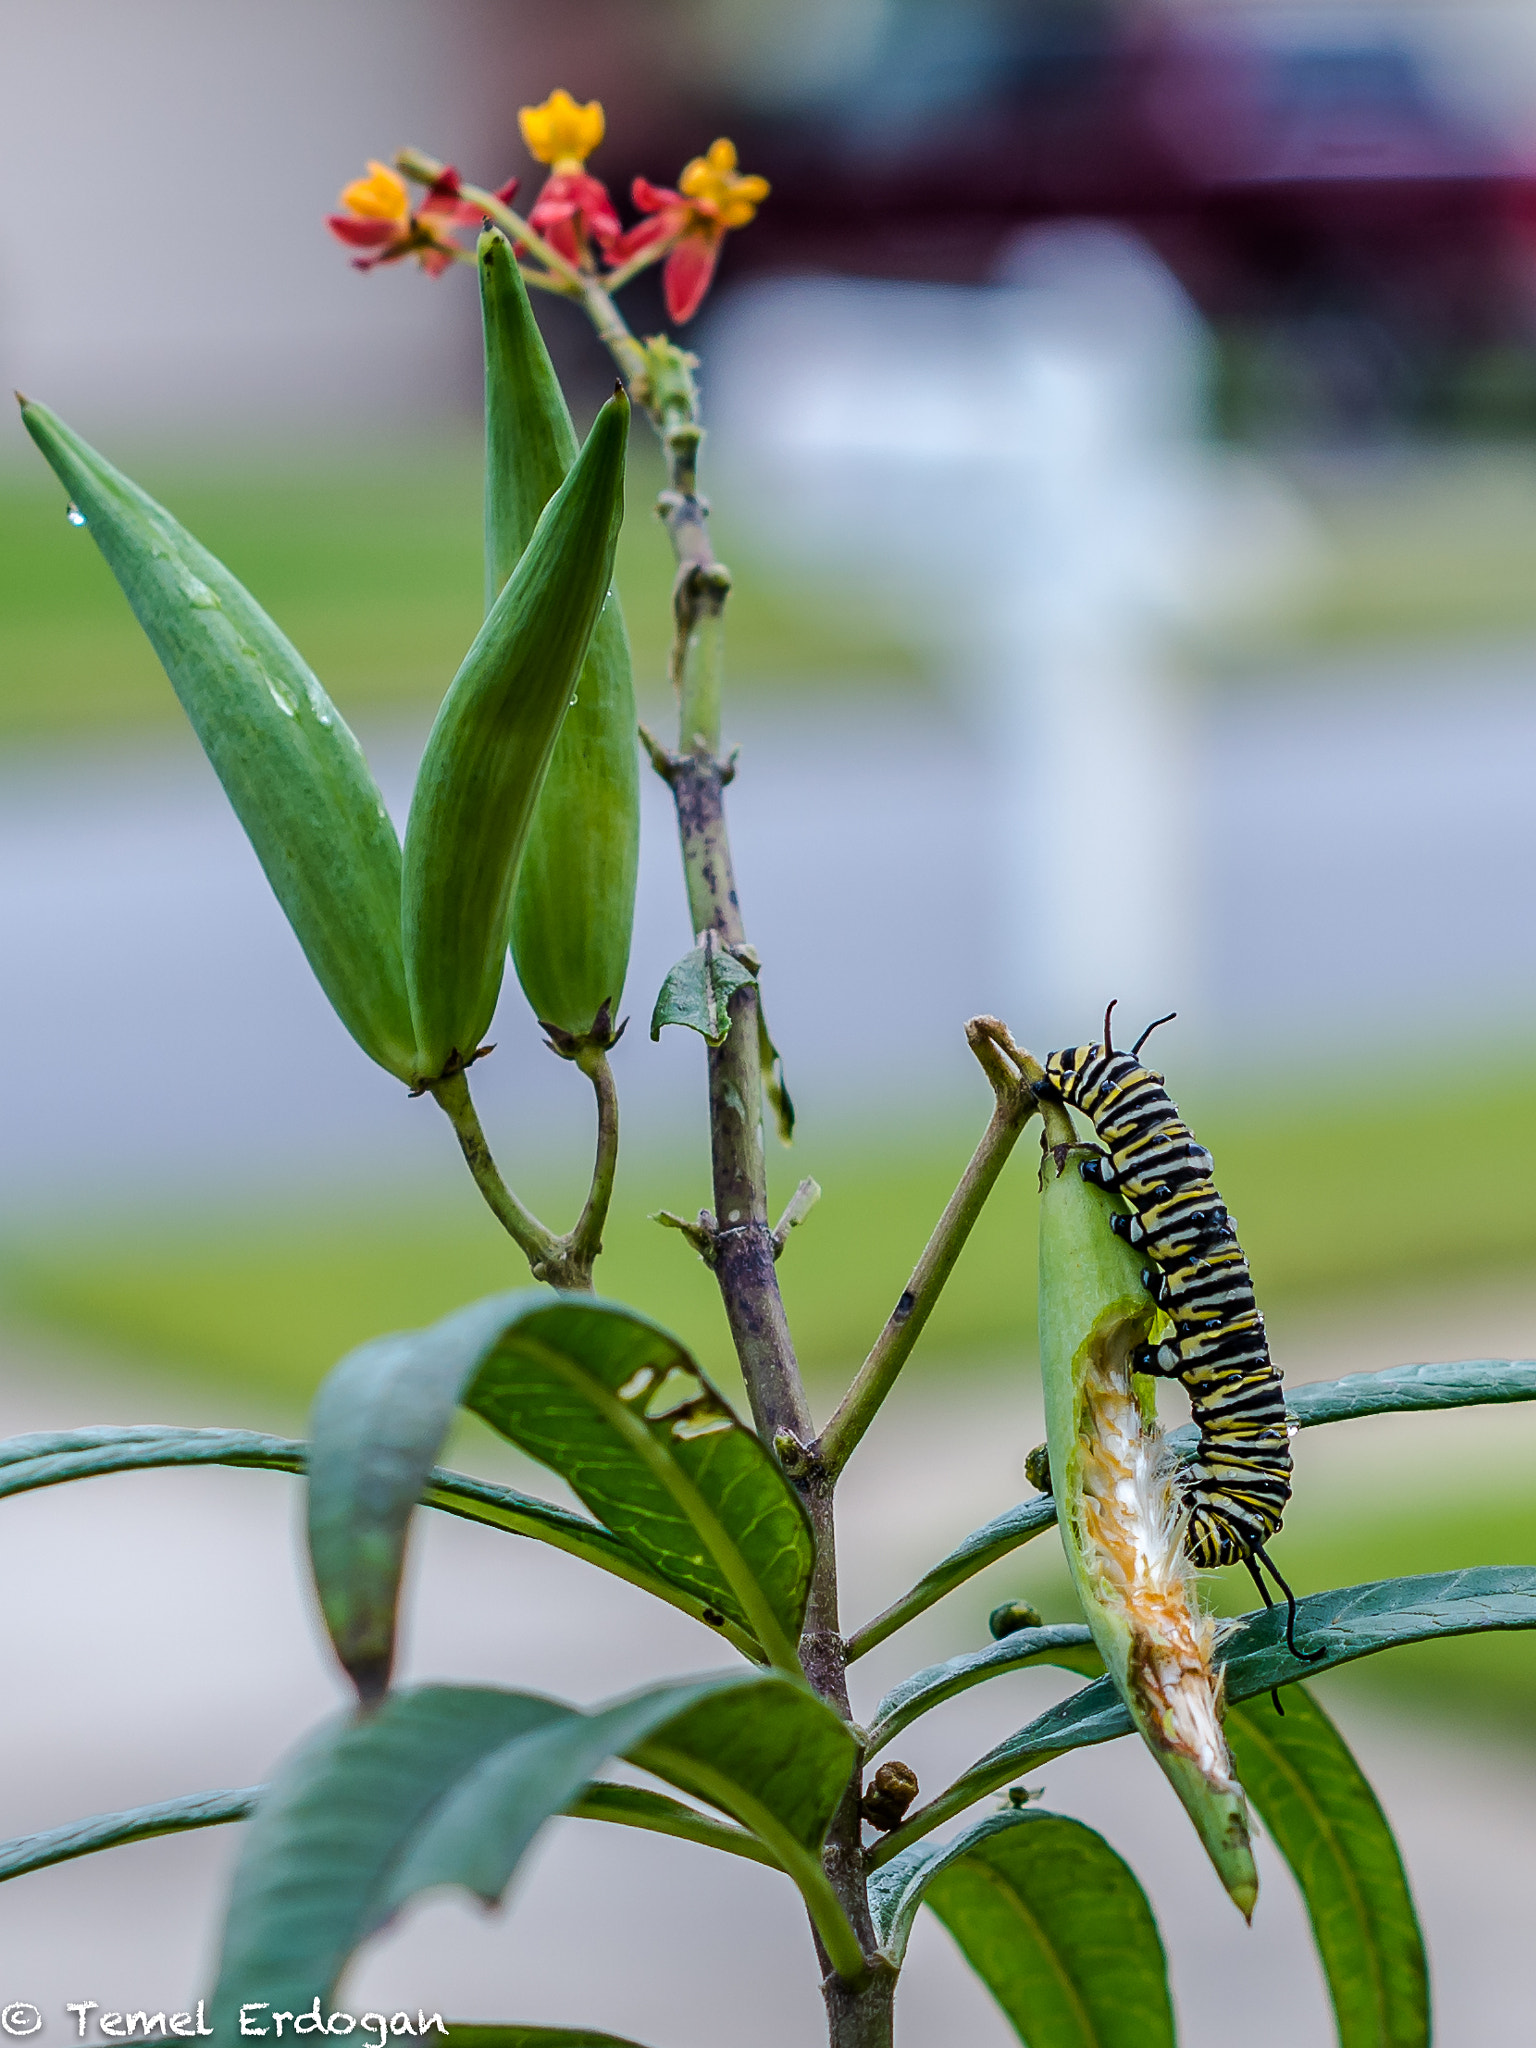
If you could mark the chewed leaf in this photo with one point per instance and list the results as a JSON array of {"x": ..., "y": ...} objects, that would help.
[
  {"x": 604, "y": 1397},
  {"x": 697, "y": 992}
]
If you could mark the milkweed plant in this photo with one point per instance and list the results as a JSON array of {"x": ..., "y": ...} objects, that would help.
[{"x": 522, "y": 837}]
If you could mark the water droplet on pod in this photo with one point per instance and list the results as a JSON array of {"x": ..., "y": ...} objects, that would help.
[{"x": 74, "y": 515}]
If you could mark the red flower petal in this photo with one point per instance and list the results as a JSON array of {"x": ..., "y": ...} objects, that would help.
[
  {"x": 458, "y": 213},
  {"x": 652, "y": 198},
  {"x": 557, "y": 230},
  {"x": 686, "y": 274},
  {"x": 645, "y": 234},
  {"x": 508, "y": 192},
  {"x": 361, "y": 234}
]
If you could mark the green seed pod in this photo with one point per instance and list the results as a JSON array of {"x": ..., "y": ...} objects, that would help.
[
  {"x": 573, "y": 905},
  {"x": 1119, "y": 1511},
  {"x": 488, "y": 751},
  {"x": 289, "y": 765}
]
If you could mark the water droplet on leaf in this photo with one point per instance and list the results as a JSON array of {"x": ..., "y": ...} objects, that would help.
[{"x": 74, "y": 515}]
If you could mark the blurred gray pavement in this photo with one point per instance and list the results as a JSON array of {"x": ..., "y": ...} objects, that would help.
[
  {"x": 1362, "y": 837},
  {"x": 158, "y": 1639}
]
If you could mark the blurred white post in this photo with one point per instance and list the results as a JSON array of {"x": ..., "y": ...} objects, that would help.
[{"x": 1020, "y": 471}]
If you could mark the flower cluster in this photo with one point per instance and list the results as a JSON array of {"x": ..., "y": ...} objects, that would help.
[
  {"x": 380, "y": 218},
  {"x": 573, "y": 216}
]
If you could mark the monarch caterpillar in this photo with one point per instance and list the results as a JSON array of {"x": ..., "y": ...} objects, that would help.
[{"x": 1236, "y": 1486}]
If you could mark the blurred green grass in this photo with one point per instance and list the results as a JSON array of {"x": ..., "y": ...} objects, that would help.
[
  {"x": 370, "y": 562},
  {"x": 368, "y": 556},
  {"x": 1337, "y": 1189},
  {"x": 1342, "y": 1195}
]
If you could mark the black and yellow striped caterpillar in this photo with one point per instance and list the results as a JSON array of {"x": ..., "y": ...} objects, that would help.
[{"x": 1236, "y": 1486}]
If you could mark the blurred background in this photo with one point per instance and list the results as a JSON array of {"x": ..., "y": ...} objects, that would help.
[{"x": 1124, "y": 441}]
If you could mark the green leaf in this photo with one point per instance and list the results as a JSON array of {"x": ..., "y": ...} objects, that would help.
[
  {"x": 1398, "y": 1388},
  {"x": 1468, "y": 1383},
  {"x": 761, "y": 1747},
  {"x": 30, "y": 1462},
  {"x": 573, "y": 905},
  {"x": 632, "y": 1806},
  {"x": 697, "y": 991},
  {"x": 489, "y": 748},
  {"x": 290, "y": 767},
  {"x": 984, "y": 1546},
  {"x": 1327, "y": 1823},
  {"x": 450, "y": 1785},
  {"x": 601, "y": 1395},
  {"x": 315, "y": 1865},
  {"x": 1051, "y": 1920},
  {"x": 1349, "y": 1622},
  {"x": 1067, "y": 1644},
  {"x": 113, "y": 1830}
]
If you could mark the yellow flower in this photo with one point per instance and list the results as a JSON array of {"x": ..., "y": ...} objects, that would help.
[
  {"x": 714, "y": 183},
  {"x": 382, "y": 195},
  {"x": 560, "y": 132}
]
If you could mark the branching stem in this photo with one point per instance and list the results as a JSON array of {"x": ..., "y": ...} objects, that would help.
[{"x": 563, "y": 1262}]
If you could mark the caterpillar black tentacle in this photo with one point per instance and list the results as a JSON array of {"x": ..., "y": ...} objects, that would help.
[{"x": 1236, "y": 1487}]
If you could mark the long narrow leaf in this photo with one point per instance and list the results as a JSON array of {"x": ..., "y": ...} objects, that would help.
[
  {"x": 450, "y": 1785},
  {"x": 290, "y": 767},
  {"x": 1396, "y": 1389},
  {"x": 1342, "y": 1625},
  {"x": 30, "y": 1462},
  {"x": 113, "y": 1830},
  {"x": 1051, "y": 1920},
  {"x": 1067, "y": 1645},
  {"x": 630, "y": 1806},
  {"x": 1328, "y": 1825},
  {"x": 604, "y": 1397},
  {"x": 984, "y": 1546}
]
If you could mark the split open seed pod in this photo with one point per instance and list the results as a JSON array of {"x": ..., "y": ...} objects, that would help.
[{"x": 1118, "y": 1508}]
